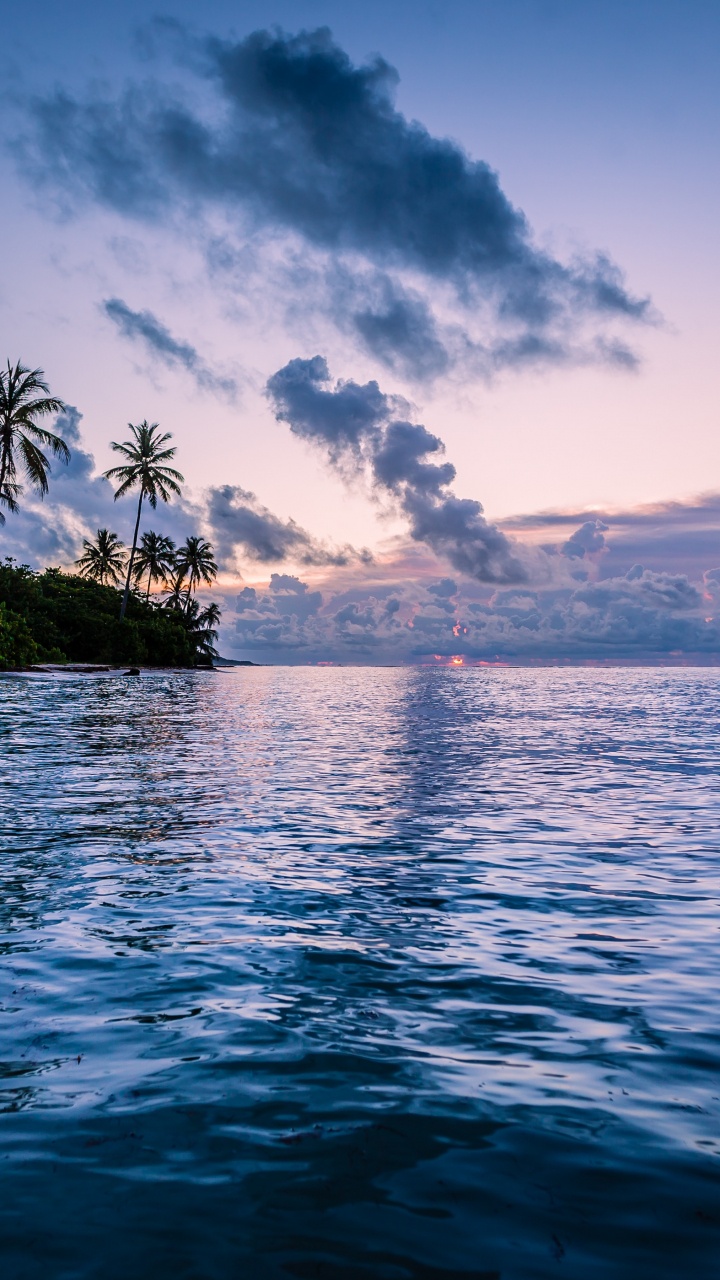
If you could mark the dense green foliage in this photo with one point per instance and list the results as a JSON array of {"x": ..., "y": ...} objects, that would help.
[
  {"x": 17, "y": 647},
  {"x": 54, "y": 616}
]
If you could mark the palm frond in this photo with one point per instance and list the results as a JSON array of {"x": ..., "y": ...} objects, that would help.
[
  {"x": 21, "y": 435},
  {"x": 104, "y": 559},
  {"x": 125, "y": 487},
  {"x": 35, "y": 463},
  {"x": 145, "y": 467},
  {"x": 54, "y": 443},
  {"x": 9, "y": 495}
]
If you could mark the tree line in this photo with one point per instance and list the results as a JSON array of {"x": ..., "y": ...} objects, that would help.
[{"x": 153, "y": 559}]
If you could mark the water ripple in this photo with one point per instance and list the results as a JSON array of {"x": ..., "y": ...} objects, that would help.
[{"x": 360, "y": 973}]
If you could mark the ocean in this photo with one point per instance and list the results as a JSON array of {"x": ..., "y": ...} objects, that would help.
[{"x": 358, "y": 973}]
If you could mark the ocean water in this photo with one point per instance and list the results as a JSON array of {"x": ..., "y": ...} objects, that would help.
[{"x": 355, "y": 973}]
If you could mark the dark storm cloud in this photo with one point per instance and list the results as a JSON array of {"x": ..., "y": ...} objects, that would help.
[
  {"x": 238, "y": 520},
  {"x": 286, "y": 133},
  {"x": 358, "y": 429},
  {"x": 143, "y": 326}
]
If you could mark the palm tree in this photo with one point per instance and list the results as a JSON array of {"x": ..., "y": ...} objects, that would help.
[
  {"x": 202, "y": 627},
  {"x": 104, "y": 559},
  {"x": 156, "y": 558},
  {"x": 22, "y": 438},
  {"x": 176, "y": 587},
  {"x": 196, "y": 562},
  {"x": 145, "y": 468}
]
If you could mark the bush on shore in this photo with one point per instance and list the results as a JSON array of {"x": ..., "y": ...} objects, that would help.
[{"x": 55, "y": 617}]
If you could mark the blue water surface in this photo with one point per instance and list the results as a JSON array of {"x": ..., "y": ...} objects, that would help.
[{"x": 357, "y": 973}]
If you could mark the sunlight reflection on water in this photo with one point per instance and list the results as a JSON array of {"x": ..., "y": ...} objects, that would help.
[{"x": 360, "y": 973}]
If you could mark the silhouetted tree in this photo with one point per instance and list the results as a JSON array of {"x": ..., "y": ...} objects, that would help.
[
  {"x": 195, "y": 563},
  {"x": 155, "y": 557},
  {"x": 24, "y": 399},
  {"x": 202, "y": 627},
  {"x": 145, "y": 468},
  {"x": 104, "y": 559}
]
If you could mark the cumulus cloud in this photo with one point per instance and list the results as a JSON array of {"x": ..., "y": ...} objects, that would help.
[
  {"x": 144, "y": 327},
  {"x": 587, "y": 540},
  {"x": 359, "y": 430},
  {"x": 284, "y": 133}
]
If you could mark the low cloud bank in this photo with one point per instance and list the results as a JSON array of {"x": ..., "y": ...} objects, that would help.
[
  {"x": 676, "y": 537},
  {"x": 640, "y": 615}
]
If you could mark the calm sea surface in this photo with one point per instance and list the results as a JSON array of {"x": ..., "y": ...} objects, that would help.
[{"x": 350, "y": 973}]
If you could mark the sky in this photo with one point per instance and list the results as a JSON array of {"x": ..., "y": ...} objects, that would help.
[{"x": 425, "y": 294}]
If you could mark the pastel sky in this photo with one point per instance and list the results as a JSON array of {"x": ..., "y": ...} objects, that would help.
[{"x": 426, "y": 294}]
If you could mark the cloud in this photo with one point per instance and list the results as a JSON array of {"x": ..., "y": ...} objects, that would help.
[
  {"x": 393, "y": 322},
  {"x": 359, "y": 431},
  {"x": 284, "y": 134},
  {"x": 238, "y": 521},
  {"x": 680, "y": 537},
  {"x": 639, "y": 616},
  {"x": 143, "y": 326},
  {"x": 587, "y": 540}
]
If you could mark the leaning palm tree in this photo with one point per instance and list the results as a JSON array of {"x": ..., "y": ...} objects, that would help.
[
  {"x": 104, "y": 559},
  {"x": 145, "y": 468},
  {"x": 195, "y": 563},
  {"x": 156, "y": 558},
  {"x": 24, "y": 399}
]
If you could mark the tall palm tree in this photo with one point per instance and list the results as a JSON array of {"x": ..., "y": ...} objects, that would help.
[
  {"x": 196, "y": 563},
  {"x": 145, "y": 468},
  {"x": 24, "y": 399},
  {"x": 156, "y": 558},
  {"x": 104, "y": 559}
]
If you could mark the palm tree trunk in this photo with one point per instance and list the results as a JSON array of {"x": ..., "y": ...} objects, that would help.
[
  {"x": 4, "y": 462},
  {"x": 126, "y": 592},
  {"x": 147, "y": 593}
]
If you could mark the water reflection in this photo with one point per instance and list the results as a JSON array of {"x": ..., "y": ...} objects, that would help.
[{"x": 360, "y": 973}]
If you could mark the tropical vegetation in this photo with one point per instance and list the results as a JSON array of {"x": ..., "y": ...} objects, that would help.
[
  {"x": 194, "y": 563},
  {"x": 63, "y": 617},
  {"x": 145, "y": 469},
  {"x": 104, "y": 559},
  {"x": 156, "y": 558},
  {"x": 92, "y": 615}
]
